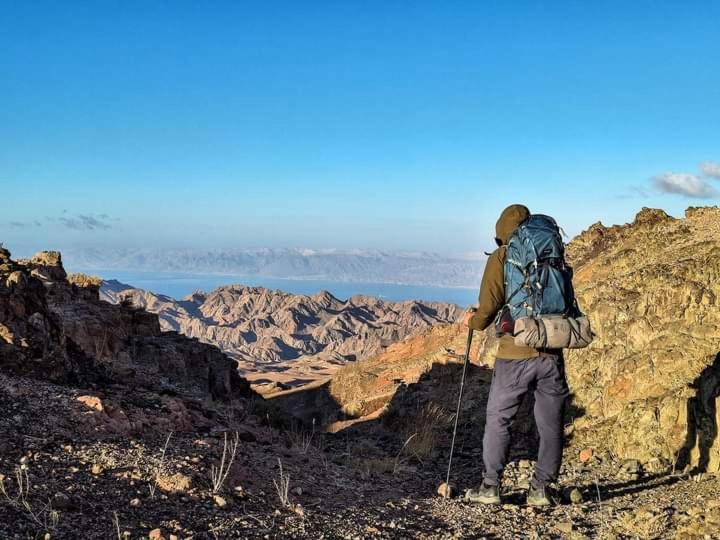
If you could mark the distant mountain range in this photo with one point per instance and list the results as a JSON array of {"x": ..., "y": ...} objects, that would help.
[
  {"x": 370, "y": 266},
  {"x": 262, "y": 327}
]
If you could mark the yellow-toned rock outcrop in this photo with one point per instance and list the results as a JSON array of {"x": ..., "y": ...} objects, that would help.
[{"x": 649, "y": 384}]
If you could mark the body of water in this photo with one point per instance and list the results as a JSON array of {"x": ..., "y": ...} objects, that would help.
[{"x": 177, "y": 285}]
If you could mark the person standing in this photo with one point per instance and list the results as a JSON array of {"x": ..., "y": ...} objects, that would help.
[{"x": 519, "y": 369}]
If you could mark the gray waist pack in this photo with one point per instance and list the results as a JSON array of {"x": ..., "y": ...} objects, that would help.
[{"x": 553, "y": 332}]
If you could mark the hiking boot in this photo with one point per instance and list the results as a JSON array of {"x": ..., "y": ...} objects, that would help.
[
  {"x": 541, "y": 496},
  {"x": 485, "y": 494}
]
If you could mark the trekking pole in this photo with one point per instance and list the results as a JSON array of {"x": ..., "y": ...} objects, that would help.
[{"x": 457, "y": 412}]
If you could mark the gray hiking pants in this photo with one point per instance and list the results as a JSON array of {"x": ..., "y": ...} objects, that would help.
[{"x": 512, "y": 379}]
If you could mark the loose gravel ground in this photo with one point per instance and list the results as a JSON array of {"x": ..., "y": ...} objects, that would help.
[{"x": 61, "y": 480}]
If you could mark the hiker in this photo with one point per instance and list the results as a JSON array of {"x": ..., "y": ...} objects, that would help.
[{"x": 519, "y": 367}]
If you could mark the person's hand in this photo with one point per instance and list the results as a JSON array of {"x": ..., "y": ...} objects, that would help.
[{"x": 467, "y": 316}]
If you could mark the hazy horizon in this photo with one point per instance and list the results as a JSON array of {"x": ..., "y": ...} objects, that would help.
[{"x": 24, "y": 248}]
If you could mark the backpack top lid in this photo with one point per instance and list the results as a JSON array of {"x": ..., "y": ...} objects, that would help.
[{"x": 538, "y": 238}]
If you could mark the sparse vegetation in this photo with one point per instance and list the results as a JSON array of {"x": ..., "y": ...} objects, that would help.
[
  {"x": 398, "y": 458},
  {"x": 303, "y": 440},
  {"x": 421, "y": 429},
  {"x": 125, "y": 535},
  {"x": 282, "y": 486},
  {"x": 44, "y": 516},
  {"x": 220, "y": 473},
  {"x": 100, "y": 344},
  {"x": 159, "y": 469},
  {"x": 375, "y": 476}
]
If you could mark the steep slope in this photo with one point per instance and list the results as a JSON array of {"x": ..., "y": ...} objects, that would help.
[{"x": 262, "y": 328}]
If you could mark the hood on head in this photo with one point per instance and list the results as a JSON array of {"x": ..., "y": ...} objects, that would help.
[{"x": 510, "y": 219}]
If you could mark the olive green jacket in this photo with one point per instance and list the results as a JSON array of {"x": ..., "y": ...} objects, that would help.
[{"x": 492, "y": 287}]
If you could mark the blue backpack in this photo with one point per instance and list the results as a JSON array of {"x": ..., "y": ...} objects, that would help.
[{"x": 537, "y": 279}]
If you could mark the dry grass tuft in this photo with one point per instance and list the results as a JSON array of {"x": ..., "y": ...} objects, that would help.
[
  {"x": 419, "y": 429},
  {"x": 282, "y": 486},
  {"x": 159, "y": 468},
  {"x": 43, "y": 515},
  {"x": 425, "y": 425},
  {"x": 304, "y": 441},
  {"x": 220, "y": 473}
]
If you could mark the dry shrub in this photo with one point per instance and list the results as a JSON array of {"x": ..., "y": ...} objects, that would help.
[
  {"x": 42, "y": 515},
  {"x": 305, "y": 441},
  {"x": 420, "y": 430},
  {"x": 220, "y": 473},
  {"x": 282, "y": 486}
]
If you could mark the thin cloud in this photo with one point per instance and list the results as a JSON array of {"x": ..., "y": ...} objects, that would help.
[
  {"x": 689, "y": 185},
  {"x": 85, "y": 223},
  {"x": 81, "y": 222},
  {"x": 710, "y": 169}
]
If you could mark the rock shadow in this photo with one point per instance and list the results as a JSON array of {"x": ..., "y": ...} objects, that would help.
[{"x": 702, "y": 424}]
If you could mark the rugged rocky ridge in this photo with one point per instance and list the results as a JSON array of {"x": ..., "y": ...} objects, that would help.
[
  {"x": 59, "y": 329},
  {"x": 260, "y": 326}
]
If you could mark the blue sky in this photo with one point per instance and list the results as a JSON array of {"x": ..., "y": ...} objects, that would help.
[{"x": 393, "y": 125}]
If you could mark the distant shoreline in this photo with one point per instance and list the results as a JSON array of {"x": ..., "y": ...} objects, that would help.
[
  {"x": 180, "y": 285},
  {"x": 187, "y": 274}
]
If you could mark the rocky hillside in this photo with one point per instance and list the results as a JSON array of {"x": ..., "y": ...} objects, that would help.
[
  {"x": 259, "y": 326},
  {"x": 57, "y": 328},
  {"x": 650, "y": 384}
]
